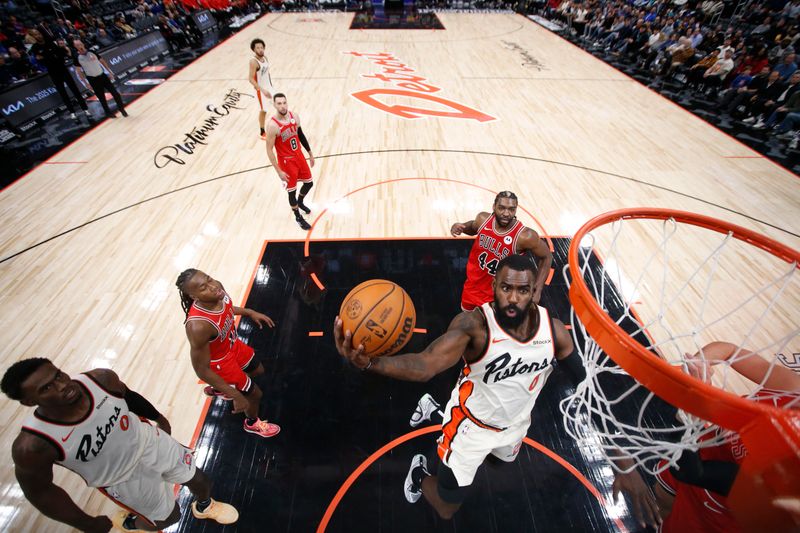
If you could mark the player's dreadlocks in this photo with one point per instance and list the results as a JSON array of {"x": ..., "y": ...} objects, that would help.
[
  {"x": 186, "y": 300},
  {"x": 505, "y": 194}
]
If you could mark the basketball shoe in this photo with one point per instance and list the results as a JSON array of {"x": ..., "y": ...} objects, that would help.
[
  {"x": 214, "y": 393},
  {"x": 118, "y": 520},
  {"x": 425, "y": 408},
  {"x": 221, "y": 513},
  {"x": 412, "y": 490},
  {"x": 262, "y": 428},
  {"x": 301, "y": 221}
]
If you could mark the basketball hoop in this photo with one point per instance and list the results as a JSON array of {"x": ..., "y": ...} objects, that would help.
[{"x": 649, "y": 289}]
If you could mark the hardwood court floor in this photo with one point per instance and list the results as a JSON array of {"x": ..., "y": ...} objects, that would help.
[{"x": 90, "y": 247}]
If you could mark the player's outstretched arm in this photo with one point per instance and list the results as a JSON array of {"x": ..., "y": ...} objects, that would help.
[
  {"x": 440, "y": 355},
  {"x": 470, "y": 227},
  {"x": 567, "y": 357},
  {"x": 137, "y": 403},
  {"x": 259, "y": 318},
  {"x": 33, "y": 467},
  {"x": 529, "y": 242}
]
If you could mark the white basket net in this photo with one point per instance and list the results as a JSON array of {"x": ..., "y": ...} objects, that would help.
[{"x": 675, "y": 287}]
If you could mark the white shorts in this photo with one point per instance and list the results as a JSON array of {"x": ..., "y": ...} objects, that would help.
[
  {"x": 264, "y": 103},
  {"x": 149, "y": 492},
  {"x": 471, "y": 443}
]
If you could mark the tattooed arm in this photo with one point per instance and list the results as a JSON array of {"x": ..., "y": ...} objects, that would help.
[{"x": 461, "y": 338}]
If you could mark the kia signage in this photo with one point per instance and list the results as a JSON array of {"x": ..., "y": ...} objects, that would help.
[
  {"x": 130, "y": 53},
  {"x": 204, "y": 20},
  {"x": 26, "y": 101}
]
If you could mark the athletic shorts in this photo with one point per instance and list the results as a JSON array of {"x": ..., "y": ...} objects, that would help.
[
  {"x": 231, "y": 367},
  {"x": 149, "y": 492},
  {"x": 297, "y": 169},
  {"x": 471, "y": 443},
  {"x": 263, "y": 101}
]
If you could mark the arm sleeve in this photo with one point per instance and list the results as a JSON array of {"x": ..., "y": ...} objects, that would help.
[
  {"x": 717, "y": 476},
  {"x": 138, "y": 404},
  {"x": 574, "y": 367},
  {"x": 303, "y": 140}
]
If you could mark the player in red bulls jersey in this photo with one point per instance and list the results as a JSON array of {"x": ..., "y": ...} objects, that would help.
[
  {"x": 219, "y": 357},
  {"x": 693, "y": 498},
  {"x": 499, "y": 234},
  {"x": 285, "y": 135}
]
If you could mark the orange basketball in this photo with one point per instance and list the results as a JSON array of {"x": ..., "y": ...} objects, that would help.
[{"x": 380, "y": 315}]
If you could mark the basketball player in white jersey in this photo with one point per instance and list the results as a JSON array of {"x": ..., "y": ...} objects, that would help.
[
  {"x": 90, "y": 424},
  {"x": 509, "y": 347},
  {"x": 261, "y": 81}
]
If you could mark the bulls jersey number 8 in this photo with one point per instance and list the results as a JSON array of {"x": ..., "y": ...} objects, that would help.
[
  {"x": 490, "y": 267},
  {"x": 294, "y": 143}
]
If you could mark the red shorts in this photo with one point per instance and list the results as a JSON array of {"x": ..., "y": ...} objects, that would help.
[
  {"x": 297, "y": 169},
  {"x": 230, "y": 368}
]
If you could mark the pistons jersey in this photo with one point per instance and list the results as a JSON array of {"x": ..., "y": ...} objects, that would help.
[
  {"x": 287, "y": 143},
  {"x": 499, "y": 390},
  {"x": 104, "y": 447},
  {"x": 489, "y": 248},
  {"x": 263, "y": 79},
  {"x": 223, "y": 321}
]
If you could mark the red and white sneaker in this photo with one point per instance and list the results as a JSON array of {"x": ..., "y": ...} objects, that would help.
[
  {"x": 214, "y": 393},
  {"x": 262, "y": 428}
]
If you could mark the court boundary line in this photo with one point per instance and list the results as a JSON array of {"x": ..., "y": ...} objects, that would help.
[{"x": 406, "y": 150}]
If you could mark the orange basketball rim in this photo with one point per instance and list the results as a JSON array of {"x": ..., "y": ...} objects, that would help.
[{"x": 772, "y": 435}]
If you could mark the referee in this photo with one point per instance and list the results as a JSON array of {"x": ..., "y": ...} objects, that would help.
[{"x": 92, "y": 66}]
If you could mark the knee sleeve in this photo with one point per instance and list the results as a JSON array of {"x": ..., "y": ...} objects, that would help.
[{"x": 305, "y": 188}]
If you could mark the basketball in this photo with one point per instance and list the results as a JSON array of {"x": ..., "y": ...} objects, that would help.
[{"x": 380, "y": 315}]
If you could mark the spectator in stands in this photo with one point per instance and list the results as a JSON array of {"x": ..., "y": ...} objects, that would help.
[
  {"x": 741, "y": 96},
  {"x": 172, "y": 33},
  {"x": 716, "y": 74},
  {"x": 124, "y": 28},
  {"x": 53, "y": 55},
  {"x": 782, "y": 104},
  {"x": 762, "y": 28},
  {"x": 787, "y": 67},
  {"x": 103, "y": 39},
  {"x": 766, "y": 108},
  {"x": 19, "y": 64},
  {"x": 91, "y": 69},
  {"x": 781, "y": 50},
  {"x": 6, "y": 75},
  {"x": 676, "y": 55},
  {"x": 695, "y": 74}
]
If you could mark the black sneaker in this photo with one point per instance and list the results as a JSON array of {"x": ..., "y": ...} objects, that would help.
[
  {"x": 302, "y": 222},
  {"x": 303, "y": 207}
]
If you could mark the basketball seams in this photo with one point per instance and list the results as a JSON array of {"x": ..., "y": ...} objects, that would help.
[
  {"x": 400, "y": 317},
  {"x": 371, "y": 309}
]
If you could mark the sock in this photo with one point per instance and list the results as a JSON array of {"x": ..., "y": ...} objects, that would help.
[
  {"x": 417, "y": 475},
  {"x": 250, "y": 421},
  {"x": 202, "y": 505},
  {"x": 130, "y": 522},
  {"x": 262, "y": 131},
  {"x": 297, "y": 214}
]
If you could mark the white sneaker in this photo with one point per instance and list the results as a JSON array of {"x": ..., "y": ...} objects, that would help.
[
  {"x": 759, "y": 125},
  {"x": 72, "y": 116},
  {"x": 412, "y": 492},
  {"x": 425, "y": 408},
  {"x": 793, "y": 144},
  {"x": 87, "y": 113},
  {"x": 749, "y": 120}
]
